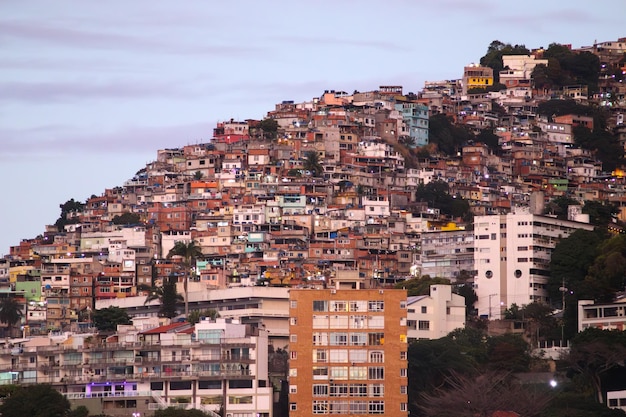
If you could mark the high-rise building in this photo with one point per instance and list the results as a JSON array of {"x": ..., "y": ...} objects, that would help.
[{"x": 348, "y": 352}]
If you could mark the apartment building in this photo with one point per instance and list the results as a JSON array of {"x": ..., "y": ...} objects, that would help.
[
  {"x": 512, "y": 258},
  {"x": 216, "y": 364},
  {"x": 606, "y": 316},
  {"x": 348, "y": 352}
]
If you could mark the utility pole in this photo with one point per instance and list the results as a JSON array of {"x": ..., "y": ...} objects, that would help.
[{"x": 563, "y": 291}]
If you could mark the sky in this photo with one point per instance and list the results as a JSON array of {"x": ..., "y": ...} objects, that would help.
[{"x": 89, "y": 91}]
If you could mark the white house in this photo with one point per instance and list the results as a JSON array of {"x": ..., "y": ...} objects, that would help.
[{"x": 434, "y": 316}]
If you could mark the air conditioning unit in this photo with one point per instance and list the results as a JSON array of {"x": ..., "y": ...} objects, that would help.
[
  {"x": 381, "y": 292},
  {"x": 333, "y": 291}
]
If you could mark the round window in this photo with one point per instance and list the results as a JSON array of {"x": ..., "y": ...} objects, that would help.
[
  {"x": 518, "y": 273},
  {"x": 489, "y": 274}
]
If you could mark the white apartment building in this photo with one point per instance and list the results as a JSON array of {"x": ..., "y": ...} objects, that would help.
[
  {"x": 436, "y": 315},
  {"x": 512, "y": 255},
  {"x": 445, "y": 253},
  {"x": 606, "y": 316}
]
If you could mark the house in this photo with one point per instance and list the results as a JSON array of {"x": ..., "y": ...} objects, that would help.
[{"x": 434, "y": 316}]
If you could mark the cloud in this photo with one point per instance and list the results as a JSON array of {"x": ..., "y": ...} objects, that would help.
[
  {"x": 12, "y": 30},
  {"x": 338, "y": 42},
  {"x": 47, "y": 142},
  {"x": 45, "y": 92}
]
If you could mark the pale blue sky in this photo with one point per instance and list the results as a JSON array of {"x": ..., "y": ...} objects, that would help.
[{"x": 90, "y": 90}]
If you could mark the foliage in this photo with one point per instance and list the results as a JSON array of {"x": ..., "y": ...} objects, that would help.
[
  {"x": 168, "y": 298},
  {"x": 508, "y": 352},
  {"x": 69, "y": 207},
  {"x": 80, "y": 411},
  {"x": 577, "y": 404},
  {"x": 594, "y": 353},
  {"x": 10, "y": 312},
  {"x": 195, "y": 315},
  {"x": 107, "y": 319},
  {"x": 467, "y": 292},
  {"x": 421, "y": 285},
  {"x": 490, "y": 139},
  {"x": 607, "y": 273},
  {"x": 495, "y": 51},
  {"x": 604, "y": 143},
  {"x": 177, "y": 412},
  {"x": 312, "y": 163},
  {"x": 269, "y": 128},
  {"x": 448, "y": 137},
  {"x": 39, "y": 400},
  {"x": 436, "y": 194},
  {"x": 575, "y": 68},
  {"x": 467, "y": 395},
  {"x": 558, "y": 206},
  {"x": 197, "y": 175},
  {"x": 189, "y": 252},
  {"x": 126, "y": 218}
]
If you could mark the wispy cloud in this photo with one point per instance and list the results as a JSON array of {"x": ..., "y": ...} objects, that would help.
[
  {"x": 47, "y": 142},
  {"x": 63, "y": 91},
  {"x": 11, "y": 30},
  {"x": 338, "y": 42}
]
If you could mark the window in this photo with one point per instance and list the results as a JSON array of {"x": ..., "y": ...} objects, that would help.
[
  {"x": 294, "y": 355},
  {"x": 358, "y": 372},
  {"x": 376, "y": 322},
  {"x": 403, "y": 356},
  {"x": 358, "y": 390},
  {"x": 339, "y": 372},
  {"x": 376, "y": 407},
  {"x": 320, "y": 305},
  {"x": 293, "y": 406},
  {"x": 403, "y": 407},
  {"x": 339, "y": 355},
  {"x": 320, "y": 339},
  {"x": 377, "y": 356},
  {"x": 358, "y": 339},
  {"x": 376, "y": 306},
  {"x": 320, "y": 372},
  {"x": 293, "y": 372},
  {"x": 320, "y": 407},
  {"x": 293, "y": 338},
  {"x": 403, "y": 372},
  {"x": 338, "y": 306},
  {"x": 338, "y": 339},
  {"x": 424, "y": 309},
  {"x": 423, "y": 325},
  {"x": 293, "y": 304},
  {"x": 338, "y": 390},
  {"x": 293, "y": 389},
  {"x": 403, "y": 389},
  {"x": 320, "y": 355},
  {"x": 293, "y": 321},
  {"x": 358, "y": 407},
  {"x": 320, "y": 390},
  {"x": 376, "y": 372},
  {"x": 375, "y": 339}
]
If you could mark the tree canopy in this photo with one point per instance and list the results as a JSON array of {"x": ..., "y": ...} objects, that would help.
[
  {"x": 168, "y": 297},
  {"x": 177, "y": 412},
  {"x": 10, "y": 312},
  {"x": 39, "y": 400},
  {"x": 69, "y": 207},
  {"x": 126, "y": 218},
  {"x": 448, "y": 137},
  {"x": 107, "y": 319},
  {"x": 436, "y": 194},
  {"x": 495, "y": 51}
]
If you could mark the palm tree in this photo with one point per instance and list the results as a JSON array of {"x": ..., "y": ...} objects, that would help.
[
  {"x": 312, "y": 163},
  {"x": 10, "y": 312},
  {"x": 167, "y": 296},
  {"x": 189, "y": 252}
]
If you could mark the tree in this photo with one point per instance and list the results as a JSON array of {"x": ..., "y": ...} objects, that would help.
[
  {"x": 126, "y": 218},
  {"x": 594, "y": 353},
  {"x": 312, "y": 163},
  {"x": 436, "y": 194},
  {"x": 607, "y": 274},
  {"x": 69, "y": 207},
  {"x": 195, "y": 316},
  {"x": 559, "y": 206},
  {"x": 448, "y": 137},
  {"x": 107, "y": 319},
  {"x": 80, "y": 411},
  {"x": 420, "y": 286},
  {"x": 197, "y": 175},
  {"x": 10, "y": 312},
  {"x": 39, "y": 400},
  {"x": 269, "y": 127},
  {"x": 495, "y": 51},
  {"x": 600, "y": 213},
  {"x": 189, "y": 252},
  {"x": 168, "y": 298},
  {"x": 177, "y": 412},
  {"x": 482, "y": 396}
]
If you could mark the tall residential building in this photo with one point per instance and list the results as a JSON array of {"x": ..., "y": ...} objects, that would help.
[
  {"x": 512, "y": 258},
  {"x": 348, "y": 352}
]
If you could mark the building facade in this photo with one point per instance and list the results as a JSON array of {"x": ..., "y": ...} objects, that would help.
[
  {"x": 512, "y": 258},
  {"x": 348, "y": 352}
]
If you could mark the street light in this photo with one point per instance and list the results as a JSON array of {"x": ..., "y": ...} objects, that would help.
[{"x": 136, "y": 414}]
